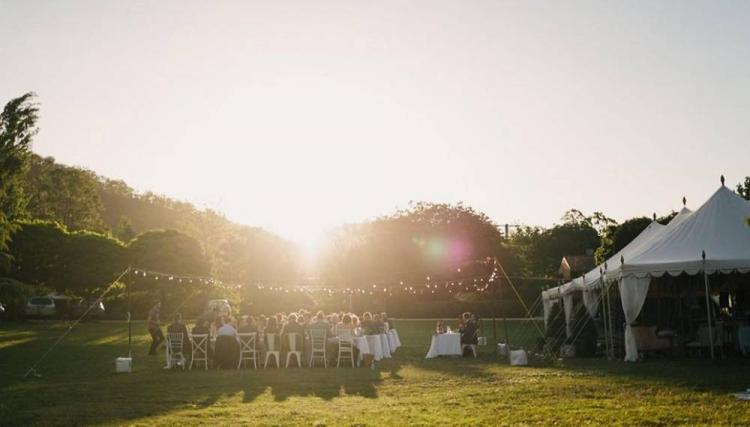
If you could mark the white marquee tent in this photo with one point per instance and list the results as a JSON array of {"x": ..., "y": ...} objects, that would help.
[{"x": 718, "y": 230}]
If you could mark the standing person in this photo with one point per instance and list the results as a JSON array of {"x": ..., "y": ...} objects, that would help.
[{"x": 154, "y": 328}]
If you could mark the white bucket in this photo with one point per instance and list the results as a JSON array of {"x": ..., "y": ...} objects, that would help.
[{"x": 123, "y": 364}]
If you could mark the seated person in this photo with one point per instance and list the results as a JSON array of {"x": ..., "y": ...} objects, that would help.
[
  {"x": 201, "y": 328},
  {"x": 385, "y": 319},
  {"x": 368, "y": 325},
  {"x": 469, "y": 333},
  {"x": 246, "y": 325},
  {"x": 292, "y": 327},
  {"x": 272, "y": 326},
  {"x": 226, "y": 352},
  {"x": 346, "y": 328},
  {"x": 319, "y": 323},
  {"x": 379, "y": 325},
  {"x": 178, "y": 327}
]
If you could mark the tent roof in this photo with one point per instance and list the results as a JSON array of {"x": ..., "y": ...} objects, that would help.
[
  {"x": 719, "y": 228},
  {"x": 591, "y": 279}
]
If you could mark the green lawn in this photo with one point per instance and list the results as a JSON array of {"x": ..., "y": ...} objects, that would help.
[{"x": 78, "y": 386}]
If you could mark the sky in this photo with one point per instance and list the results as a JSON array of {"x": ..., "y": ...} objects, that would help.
[{"x": 298, "y": 116}]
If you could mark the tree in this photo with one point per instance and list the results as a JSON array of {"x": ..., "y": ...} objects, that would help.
[
  {"x": 124, "y": 230},
  {"x": 17, "y": 129},
  {"x": 617, "y": 237},
  {"x": 64, "y": 194},
  {"x": 743, "y": 188},
  {"x": 250, "y": 255},
  {"x": 168, "y": 251},
  {"x": 45, "y": 253},
  {"x": 541, "y": 250},
  {"x": 424, "y": 239}
]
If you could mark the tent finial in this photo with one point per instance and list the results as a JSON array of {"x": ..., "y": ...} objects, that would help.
[
  {"x": 684, "y": 201},
  {"x": 722, "y": 180}
]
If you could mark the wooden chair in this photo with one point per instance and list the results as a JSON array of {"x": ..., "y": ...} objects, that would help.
[
  {"x": 247, "y": 349},
  {"x": 318, "y": 343},
  {"x": 200, "y": 350},
  {"x": 293, "y": 351},
  {"x": 174, "y": 346},
  {"x": 346, "y": 349},
  {"x": 272, "y": 349}
]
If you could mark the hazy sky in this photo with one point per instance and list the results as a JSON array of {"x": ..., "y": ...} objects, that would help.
[{"x": 298, "y": 116}]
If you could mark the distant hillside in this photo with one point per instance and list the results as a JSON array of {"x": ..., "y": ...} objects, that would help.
[{"x": 82, "y": 200}]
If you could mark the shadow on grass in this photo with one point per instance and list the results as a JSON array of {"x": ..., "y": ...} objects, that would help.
[
  {"x": 78, "y": 382},
  {"x": 719, "y": 376}
]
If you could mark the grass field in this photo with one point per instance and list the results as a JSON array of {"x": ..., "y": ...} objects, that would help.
[{"x": 77, "y": 386}]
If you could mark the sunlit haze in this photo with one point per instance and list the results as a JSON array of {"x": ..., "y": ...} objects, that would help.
[{"x": 299, "y": 116}]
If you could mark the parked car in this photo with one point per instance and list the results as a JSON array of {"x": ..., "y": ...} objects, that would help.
[
  {"x": 221, "y": 305},
  {"x": 41, "y": 307},
  {"x": 96, "y": 309}
]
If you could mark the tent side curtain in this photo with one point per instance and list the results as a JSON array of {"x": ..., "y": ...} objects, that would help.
[
  {"x": 591, "y": 301},
  {"x": 633, "y": 291}
]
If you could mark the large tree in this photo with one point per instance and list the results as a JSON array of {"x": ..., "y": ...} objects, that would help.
[
  {"x": 64, "y": 194},
  {"x": 45, "y": 253},
  {"x": 542, "y": 249},
  {"x": 17, "y": 129},
  {"x": 743, "y": 188},
  {"x": 426, "y": 238},
  {"x": 616, "y": 237}
]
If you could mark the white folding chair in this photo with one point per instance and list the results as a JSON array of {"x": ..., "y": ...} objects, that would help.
[
  {"x": 200, "y": 350},
  {"x": 247, "y": 349},
  {"x": 272, "y": 349},
  {"x": 346, "y": 349},
  {"x": 318, "y": 342},
  {"x": 292, "y": 340},
  {"x": 174, "y": 345}
]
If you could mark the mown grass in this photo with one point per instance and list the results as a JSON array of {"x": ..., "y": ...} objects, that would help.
[{"x": 78, "y": 386}]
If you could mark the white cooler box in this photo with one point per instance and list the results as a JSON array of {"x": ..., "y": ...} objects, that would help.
[
  {"x": 123, "y": 364},
  {"x": 518, "y": 358}
]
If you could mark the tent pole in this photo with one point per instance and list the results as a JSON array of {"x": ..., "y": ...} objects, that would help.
[
  {"x": 708, "y": 305},
  {"x": 604, "y": 320},
  {"x": 609, "y": 322},
  {"x": 708, "y": 314},
  {"x": 128, "y": 283},
  {"x": 494, "y": 330}
]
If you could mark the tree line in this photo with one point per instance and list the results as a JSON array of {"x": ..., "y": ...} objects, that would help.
[{"x": 67, "y": 229}]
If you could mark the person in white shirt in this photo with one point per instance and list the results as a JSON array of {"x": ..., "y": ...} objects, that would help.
[
  {"x": 227, "y": 329},
  {"x": 227, "y": 348}
]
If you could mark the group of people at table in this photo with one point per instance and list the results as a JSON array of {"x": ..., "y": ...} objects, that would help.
[
  {"x": 446, "y": 342},
  {"x": 282, "y": 332}
]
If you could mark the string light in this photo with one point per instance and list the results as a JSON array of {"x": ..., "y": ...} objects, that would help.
[{"x": 412, "y": 290}]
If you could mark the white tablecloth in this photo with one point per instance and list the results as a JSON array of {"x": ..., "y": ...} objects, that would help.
[
  {"x": 386, "y": 346},
  {"x": 362, "y": 346},
  {"x": 445, "y": 345},
  {"x": 393, "y": 340},
  {"x": 376, "y": 346}
]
